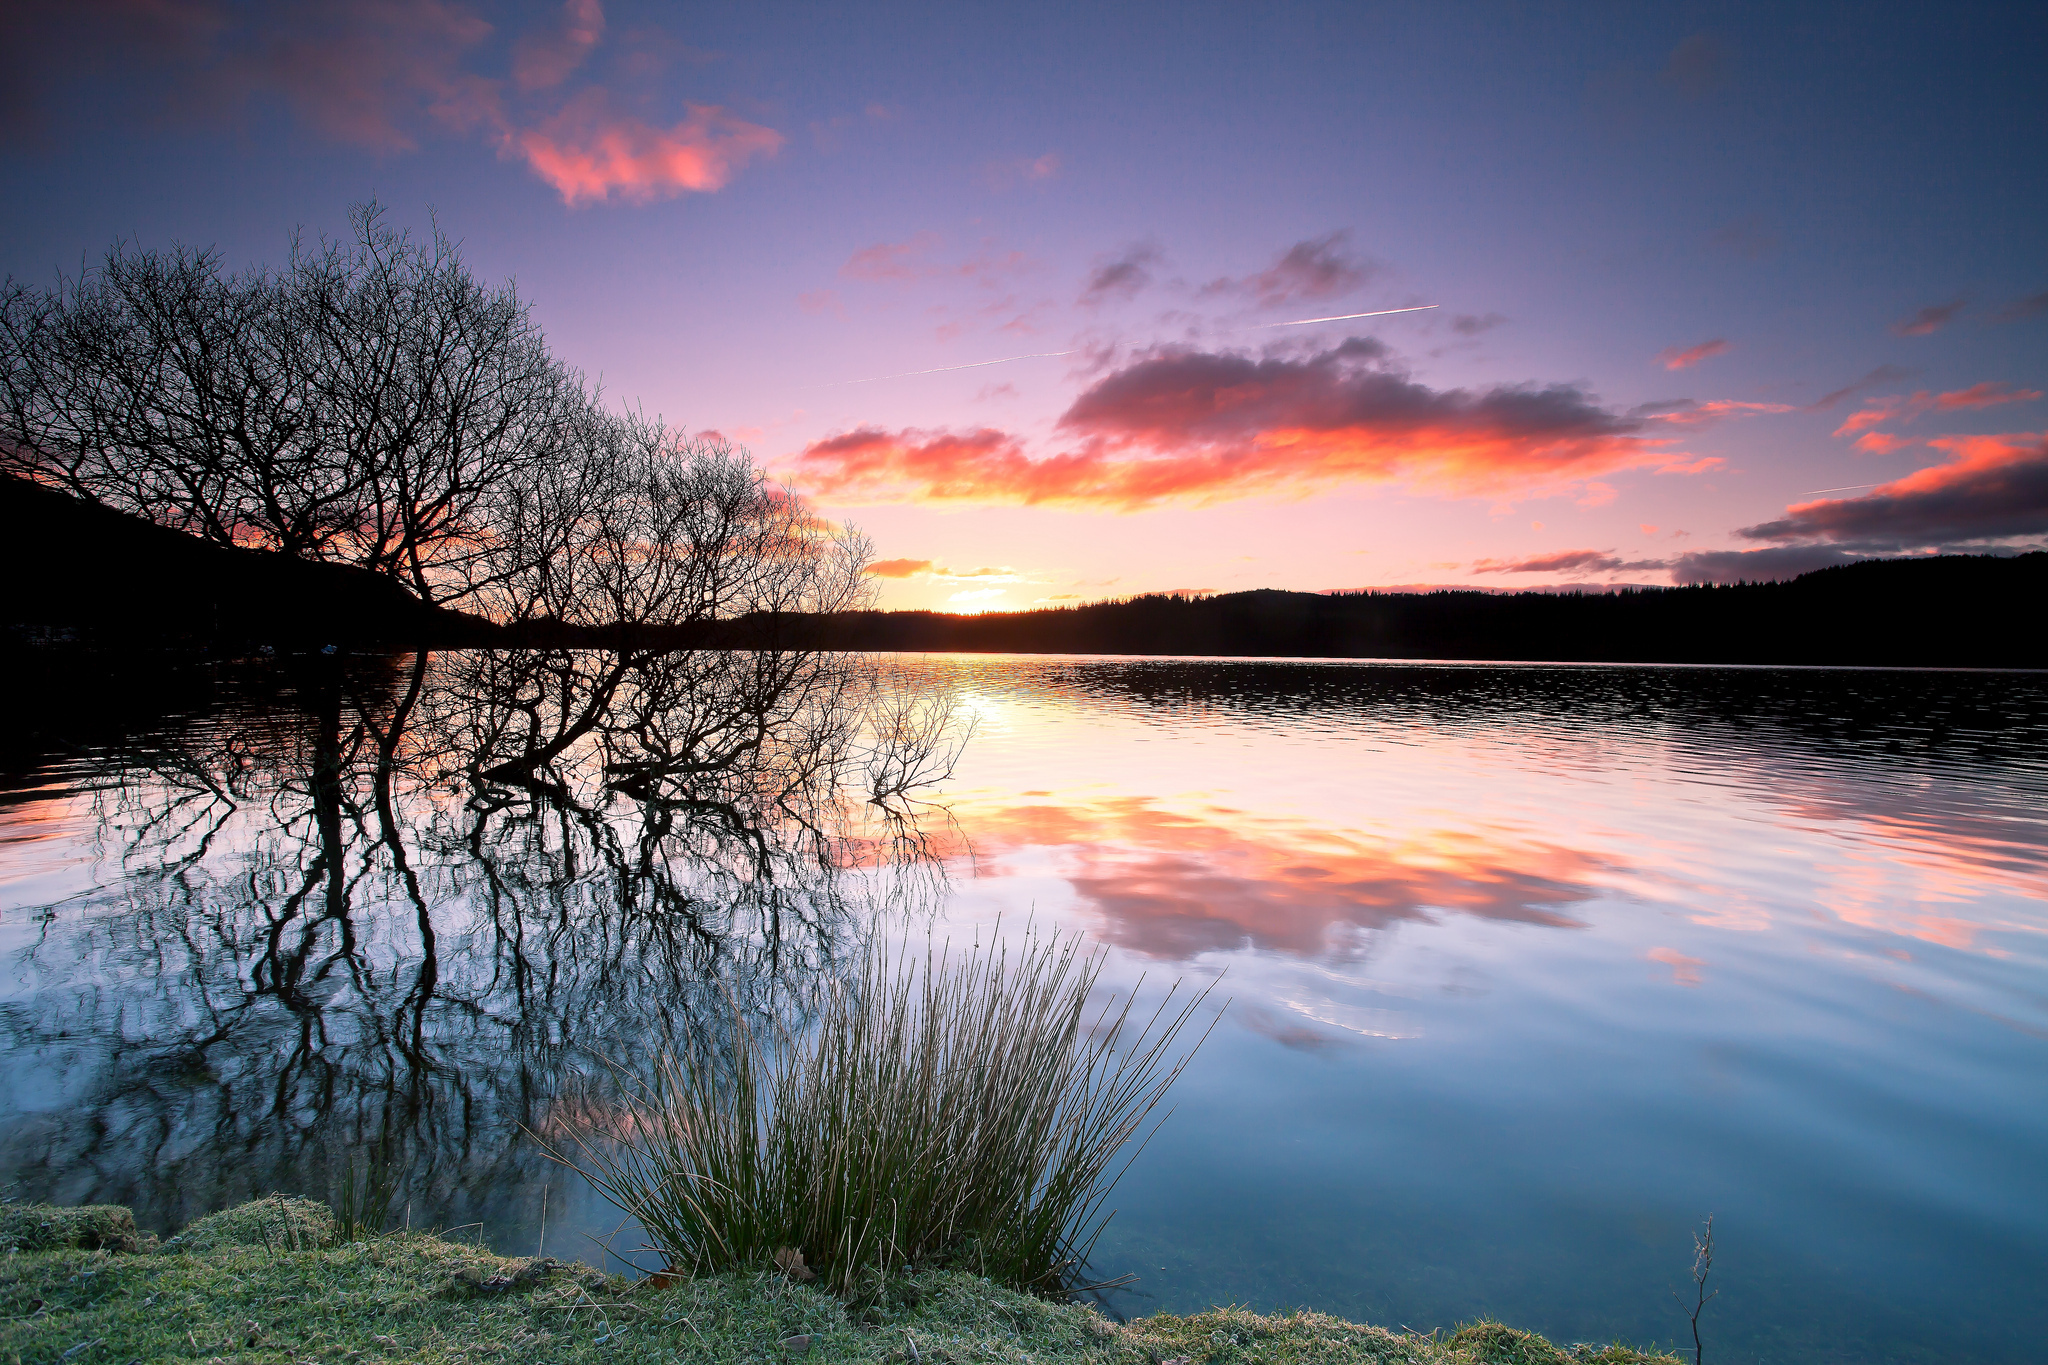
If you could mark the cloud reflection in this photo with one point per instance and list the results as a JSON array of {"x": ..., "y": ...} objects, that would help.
[{"x": 1174, "y": 885}]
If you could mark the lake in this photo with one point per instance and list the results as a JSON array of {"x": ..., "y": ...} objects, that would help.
[{"x": 1528, "y": 970}]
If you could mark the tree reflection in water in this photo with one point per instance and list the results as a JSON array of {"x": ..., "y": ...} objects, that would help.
[{"x": 386, "y": 911}]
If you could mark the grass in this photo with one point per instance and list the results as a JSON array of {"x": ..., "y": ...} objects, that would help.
[
  {"x": 416, "y": 1298},
  {"x": 970, "y": 1113}
]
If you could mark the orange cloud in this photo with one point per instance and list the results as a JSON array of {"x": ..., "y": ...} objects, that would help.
[
  {"x": 590, "y": 154},
  {"x": 1881, "y": 443},
  {"x": 1196, "y": 427},
  {"x": 1685, "y": 357},
  {"x": 898, "y": 568}
]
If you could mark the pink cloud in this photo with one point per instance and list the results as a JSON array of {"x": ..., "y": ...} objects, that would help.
[
  {"x": 892, "y": 260},
  {"x": 1904, "y": 408},
  {"x": 590, "y": 154},
  {"x": 1928, "y": 320},
  {"x": 1881, "y": 443},
  {"x": 1685, "y": 357},
  {"x": 544, "y": 60},
  {"x": 1986, "y": 395}
]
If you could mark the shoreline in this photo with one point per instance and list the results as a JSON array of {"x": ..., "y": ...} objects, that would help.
[{"x": 270, "y": 1281}]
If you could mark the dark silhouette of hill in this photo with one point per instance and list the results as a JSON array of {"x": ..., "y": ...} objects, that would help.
[
  {"x": 101, "y": 578},
  {"x": 1954, "y": 610},
  {"x": 76, "y": 572}
]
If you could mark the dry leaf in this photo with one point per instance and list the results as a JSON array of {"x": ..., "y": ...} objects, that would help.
[{"x": 790, "y": 1261}]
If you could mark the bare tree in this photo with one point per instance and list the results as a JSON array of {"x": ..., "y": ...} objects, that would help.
[{"x": 371, "y": 403}]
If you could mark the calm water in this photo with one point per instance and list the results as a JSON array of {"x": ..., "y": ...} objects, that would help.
[{"x": 1529, "y": 969}]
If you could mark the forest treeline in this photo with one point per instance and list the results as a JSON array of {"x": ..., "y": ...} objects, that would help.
[{"x": 1954, "y": 610}]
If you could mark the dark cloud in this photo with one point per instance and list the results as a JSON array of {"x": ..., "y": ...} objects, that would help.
[
  {"x": 45, "y": 44},
  {"x": 1877, "y": 378},
  {"x": 1993, "y": 487},
  {"x": 1698, "y": 66},
  {"x": 1567, "y": 561},
  {"x": 1471, "y": 324},
  {"x": 1756, "y": 566},
  {"x": 2019, "y": 310},
  {"x": 1928, "y": 320},
  {"x": 1320, "y": 268},
  {"x": 363, "y": 72},
  {"x": 1121, "y": 276}
]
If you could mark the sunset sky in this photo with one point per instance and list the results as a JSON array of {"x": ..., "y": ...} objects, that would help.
[{"x": 1718, "y": 290}]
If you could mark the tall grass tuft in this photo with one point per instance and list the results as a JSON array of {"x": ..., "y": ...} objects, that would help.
[
  {"x": 362, "y": 1201},
  {"x": 966, "y": 1113}
]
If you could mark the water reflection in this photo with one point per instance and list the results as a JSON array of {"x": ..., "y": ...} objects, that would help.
[
  {"x": 1531, "y": 967},
  {"x": 382, "y": 909},
  {"x": 1174, "y": 884}
]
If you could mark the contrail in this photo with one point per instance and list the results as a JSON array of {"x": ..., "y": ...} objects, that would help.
[
  {"x": 942, "y": 369},
  {"x": 1345, "y": 317},
  {"x": 1849, "y": 488}
]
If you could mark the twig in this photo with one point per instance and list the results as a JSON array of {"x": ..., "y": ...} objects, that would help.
[{"x": 1702, "y": 1266}]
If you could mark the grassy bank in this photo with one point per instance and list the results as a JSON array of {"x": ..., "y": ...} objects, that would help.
[{"x": 266, "y": 1284}]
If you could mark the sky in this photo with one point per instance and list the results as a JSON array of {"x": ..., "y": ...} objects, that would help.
[{"x": 1052, "y": 301}]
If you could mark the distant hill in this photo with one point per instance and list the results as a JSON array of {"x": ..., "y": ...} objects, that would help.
[
  {"x": 84, "y": 574},
  {"x": 80, "y": 573},
  {"x": 1955, "y": 610}
]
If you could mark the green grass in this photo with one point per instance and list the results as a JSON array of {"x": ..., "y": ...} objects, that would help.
[
  {"x": 45, "y": 1227},
  {"x": 970, "y": 1113},
  {"x": 416, "y": 1298}
]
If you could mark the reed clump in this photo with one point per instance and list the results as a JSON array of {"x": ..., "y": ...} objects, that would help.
[{"x": 965, "y": 1112}]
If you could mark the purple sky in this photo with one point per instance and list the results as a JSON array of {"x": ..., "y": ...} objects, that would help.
[{"x": 1710, "y": 281}]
